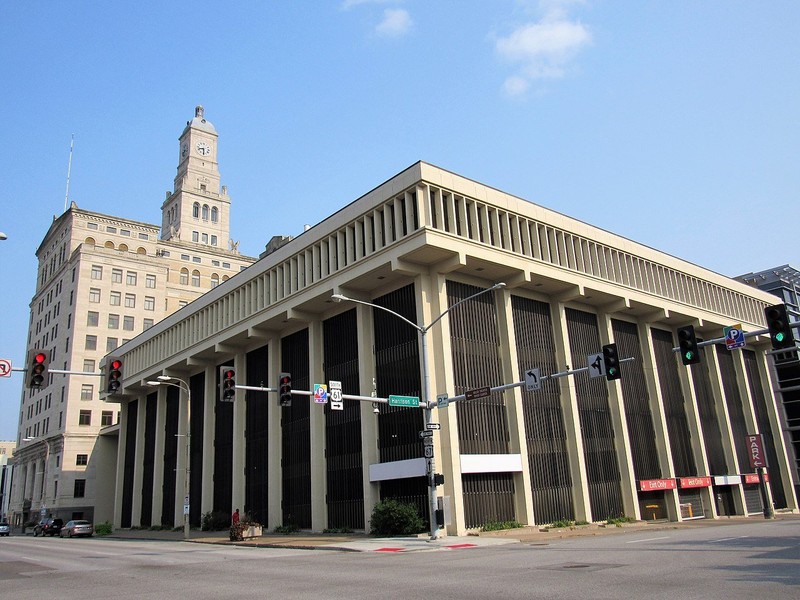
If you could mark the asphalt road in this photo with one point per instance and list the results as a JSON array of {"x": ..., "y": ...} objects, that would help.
[{"x": 758, "y": 559}]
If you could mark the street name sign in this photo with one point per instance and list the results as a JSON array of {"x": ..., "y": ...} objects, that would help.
[
  {"x": 408, "y": 401},
  {"x": 482, "y": 392}
]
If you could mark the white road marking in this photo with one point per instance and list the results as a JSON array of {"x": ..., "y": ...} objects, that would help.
[{"x": 666, "y": 537}]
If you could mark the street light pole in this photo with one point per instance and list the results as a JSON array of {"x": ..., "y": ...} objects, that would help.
[
  {"x": 182, "y": 385},
  {"x": 426, "y": 385}
]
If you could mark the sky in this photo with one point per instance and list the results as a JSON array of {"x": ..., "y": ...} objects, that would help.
[{"x": 674, "y": 123}]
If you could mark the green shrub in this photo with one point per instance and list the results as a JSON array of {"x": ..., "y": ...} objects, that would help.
[
  {"x": 286, "y": 528},
  {"x": 562, "y": 523},
  {"x": 501, "y": 525},
  {"x": 215, "y": 521},
  {"x": 104, "y": 528},
  {"x": 391, "y": 517},
  {"x": 618, "y": 521}
]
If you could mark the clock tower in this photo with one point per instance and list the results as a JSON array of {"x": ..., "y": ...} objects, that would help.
[{"x": 198, "y": 209}]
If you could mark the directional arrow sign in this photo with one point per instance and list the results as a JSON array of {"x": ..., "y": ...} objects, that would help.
[
  {"x": 533, "y": 380},
  {"x": 433, "y": 426},
  {"x": 597, "y": 367},
  {"x": 426, "y": 433}
]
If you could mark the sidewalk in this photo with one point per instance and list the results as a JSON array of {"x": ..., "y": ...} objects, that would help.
[{"x": 357, "y": 542}]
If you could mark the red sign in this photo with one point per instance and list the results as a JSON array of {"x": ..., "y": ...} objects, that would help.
[
  {"x": 653, "y": 485},
  {"x": 753, "y": 477},
  {"x": 755, "y": 448},
  {"x": 695, "y": 482}
]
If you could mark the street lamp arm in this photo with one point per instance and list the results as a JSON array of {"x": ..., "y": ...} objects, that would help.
[
  {"x": 496, "y": 286},
  {"x": 340, "y": 297}
]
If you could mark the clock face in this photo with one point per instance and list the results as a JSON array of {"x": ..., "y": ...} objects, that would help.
[{"x": 203, "y": 148}]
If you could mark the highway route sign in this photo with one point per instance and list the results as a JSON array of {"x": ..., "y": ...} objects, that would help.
[{"x": 336, "y": 395}]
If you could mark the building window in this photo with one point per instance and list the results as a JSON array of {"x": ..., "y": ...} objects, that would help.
[
  {"x": 149, "y": 303},
  {"x": 184, "y": 276},
  {"x": 93, "y": 318},
  {"x": 205, "y": 209},
  {"x": 91, "y": 225},
  {"x": 113, "y": 321},
  {"x": 111, "y": 344},
  {"x": 196, "y": 278},
  {"x": 91, "y": 342},
  {"x": 213, "y": 240},
  {"x": 131, "y": 278},
  {"x": 130, "y": 300},
  {"x": 97, "y": 272},
  {"x": 107, "y": 418},
  {"x": 94, "y": 295},
  {"x": 143, "y": 236},
  {"x": 226, "y": 265},
  {"x": 148, "y": 323},
  {"x": 184, "y": 257},
  {"x": 214, "y": 214},
  {"x": 150, "y": 281},
  {"x": 85, "y": 417},
  {"x": 110, "y": 229},
  {"x": 204, "y": 238},
  {"x": 88, "y": 365},
  {"x": 115, "y": 299},
  {"x": 196, "y": 210},
  {"x": 125, "y": 232},
  {"x": 214, "y": 280},
  {"x": 81, "y": 460},
  {"x": 87, "y": 391},
  {"x": 116, "y": 275},
  {"x": 195, "y": 236},
  {"x": 182, "y": 303},
  {"x": 80, "y": 488},
  {"x": 127, "y": 323}
]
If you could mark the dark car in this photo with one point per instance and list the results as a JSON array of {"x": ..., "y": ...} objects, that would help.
[{"x": 49, "y": 527}]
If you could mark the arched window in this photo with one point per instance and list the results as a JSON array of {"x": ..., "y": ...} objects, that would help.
[
  {"x": 184, "y": 276},
  {"x": 109, "y": 244},
  {"x": 214, "y": 280},
  {"x": 214, "y": 214},
  {"x": 196, "y": 278},
  {"x": 123, "y": 247},
  {"x": 225, "y": 278},
  {"x": 196, "y": 210},
  {"x": 205, "y": 212},
  {"x": 141, "y": 251},
  {"x": 89, "y": 241}
]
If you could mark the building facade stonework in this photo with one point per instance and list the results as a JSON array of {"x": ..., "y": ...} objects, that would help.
[
  {"x": 664, "y": 441},
  {"x": 103, "y": 280}
]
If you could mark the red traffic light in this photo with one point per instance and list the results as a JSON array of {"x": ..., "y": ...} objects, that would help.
[
  {"x": 227, "y": 384},
  {"x": 37, "y": 368},
  {"x": 114, "y": 378}
]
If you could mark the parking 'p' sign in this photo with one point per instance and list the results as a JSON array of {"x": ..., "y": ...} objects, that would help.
[{"x": 5, "y": 367}]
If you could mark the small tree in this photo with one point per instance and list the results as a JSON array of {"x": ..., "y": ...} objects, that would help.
[{"x": 390, "y": 517}]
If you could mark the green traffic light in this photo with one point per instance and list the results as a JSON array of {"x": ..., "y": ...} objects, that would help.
[
  {"x": 689, "y": 355},
  {"x": 779, "y": 336},
  {"x": 612, "y": 371}
]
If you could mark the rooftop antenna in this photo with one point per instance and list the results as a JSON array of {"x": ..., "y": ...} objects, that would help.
[{"x": 69, "y": 170}]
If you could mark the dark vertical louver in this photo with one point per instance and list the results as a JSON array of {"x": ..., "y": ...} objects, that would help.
[
  {"x": 680, "y": 440},
  {"x": 197, "y": 385},
  {"x": 148, "y": 462},
  {"x": 597, "y": 432},
  {"x": 170, "y": 457},
  {"x": 636, "y": 400},
  {"x": 709, "y": 418},
  {"x": 223, "y": 453},
  {"x": 765, "y": 428},
  {"x": 482, "y": 423},
  {"x": 733, "y": 401},
  {"x": 345, "y": 490},
  {"x": 548, "y": 461},
  {"x": 257, "y": 435},
  {"x": 397, "y": 371},
  {"x": 296, "y": 434},
  {"x": 130, "y": 464}
]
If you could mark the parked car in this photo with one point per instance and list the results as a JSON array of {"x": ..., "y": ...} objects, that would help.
[
  {"x": 5, "y": 528},
  {"x": 77, "y": 528},
  {"x": 49, "y": 527}
]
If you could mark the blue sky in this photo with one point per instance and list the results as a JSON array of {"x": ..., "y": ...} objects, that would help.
[{"x": 674, "y": 123}]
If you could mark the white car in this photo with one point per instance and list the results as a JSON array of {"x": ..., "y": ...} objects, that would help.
[
  {"x": 77, "y": 528},
  {"x": 5, "y": 528}
]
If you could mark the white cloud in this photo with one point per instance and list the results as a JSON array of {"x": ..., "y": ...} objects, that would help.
[
  {"x": 396, "y": 22},
  {"x": 543, "y": 49}
]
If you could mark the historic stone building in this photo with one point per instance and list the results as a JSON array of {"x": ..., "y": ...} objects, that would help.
[
  {"x": 664, "y": 441},
  {"x": 102, "y": 280}
]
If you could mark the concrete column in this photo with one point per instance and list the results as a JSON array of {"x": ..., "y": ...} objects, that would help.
[
  {"x": 138, "y": 467},
  {"x": 369, "y": 420},
  {"x": 119, "y": 478},
  {"x": 523, "y": 495},
  {"x": 274, "y": 469},
  {"x": 239, "y": 363},
  {"x": 319, "y": 485},
  {"x": 569, "y": 408},
  {"x": 207, "y": 438},
  {"x": 158, "y": 463}
]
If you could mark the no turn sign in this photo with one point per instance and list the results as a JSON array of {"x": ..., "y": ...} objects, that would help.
[{"x": 5, "y": 367}]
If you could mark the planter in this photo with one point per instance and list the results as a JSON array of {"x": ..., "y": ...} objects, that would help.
[
  {"x": 242, "y": 531},
  {"x": 252, "y": 531}
]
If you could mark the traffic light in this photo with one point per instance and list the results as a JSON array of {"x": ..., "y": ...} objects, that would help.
[
  {"x": 285, "y": 389},
  {"x": 779, "y": 331},
  {"x": 687, "y": 342},
  {"x": 611, "y": 361},
  {"x": 37, "y": 368},
  {"x": 227, "y": 384},
  {"x": 114, "y": 375}
]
